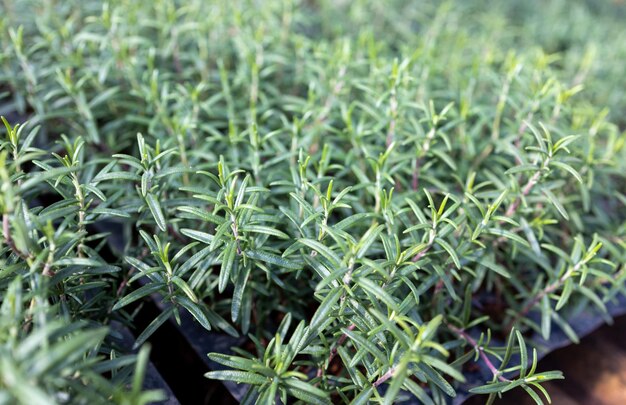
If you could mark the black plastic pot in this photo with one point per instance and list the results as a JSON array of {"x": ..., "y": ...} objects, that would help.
[
  {"x": 180, "y": 353},
  {"x": 197, "y": 342},
  {"x": 153, "y": 379},
  {"x": 583, "y": 320}
]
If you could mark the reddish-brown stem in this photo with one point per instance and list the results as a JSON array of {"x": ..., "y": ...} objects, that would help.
[
  {"x": 438, "y": 287},
  {"x": 416, "y": 174},
  {"x": 420, "y": 254},
  {"x": 172, "y": 231},
  {"x": 176, "y": 59},
  {"x": 418, "y": 162},
  {"x": 7, "y": 237},
  {"x": 124, "y": 283},
  {"x": 328, "y": 104},
  {"x": 525, "y": 191},
  {"x": 481, "y": 351},
  {"x": 235, "y": 229},
  {"x": 333, "y": 351},
  {"x": 6, "y": 232},
  {"x": 520, "y": 132},
  {"x": 547, "y": 290},
  {"x": 431, "y": 240},
  {"x": 384, "y": 377},
  {"x": 391, "y": 132},
  {"x": 47, "y": 270},
  {"x": 343, "y": 337}
]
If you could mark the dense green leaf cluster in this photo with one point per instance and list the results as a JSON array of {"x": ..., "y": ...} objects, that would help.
[
  {"x": 373, "y": 193},
  {"x": 57, "y": 339}
]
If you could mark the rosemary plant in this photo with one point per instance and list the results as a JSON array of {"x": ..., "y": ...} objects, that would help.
[{"x": 378, "y": 195}]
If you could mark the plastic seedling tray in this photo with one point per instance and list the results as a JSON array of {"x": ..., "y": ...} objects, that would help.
[
  {"x": 153, "y": 379},
  {"x": 583, "y": 320}
]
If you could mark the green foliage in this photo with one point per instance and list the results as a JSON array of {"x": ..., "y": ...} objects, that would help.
[
  {"x": 54, "y": 345},
  {"x": 394, "y": 179}
]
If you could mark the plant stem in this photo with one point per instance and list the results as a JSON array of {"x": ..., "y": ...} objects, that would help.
[
  {"x": 328, "y": 104},
  {"x": 384, "y": 377},
  {"x": 526, "y": 189},
  {"x": 495, "y": 133},
  {"x": 352, "y": 326},
  {"x": 393, "y": 106},
  {"x": 431, "y": 240},
  {"x": 418, "y": 161},
  {"x": 547, "y": 290},
  {"x": 333, "y": 351},
  {"x": 235, "y": 230},
  {"x": 80, "y": 198},
  {"x": 481, "y": 351},
  {"x": 6, "y": 232}
]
